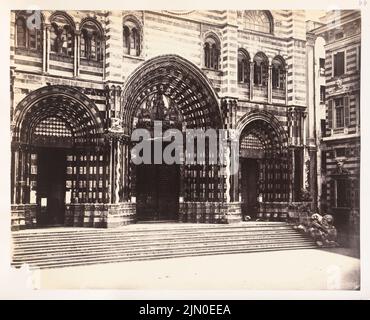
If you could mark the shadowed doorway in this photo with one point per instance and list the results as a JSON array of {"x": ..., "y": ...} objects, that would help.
[
  {"x": 158, "y": 192},
  {"x": 249, "y": 186},
  {"x": 158, "y": 185},
  {"x": 51, "y": 180},
  {"x": 264, "y": 174}
]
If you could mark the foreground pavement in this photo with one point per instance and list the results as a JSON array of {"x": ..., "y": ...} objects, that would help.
[{"x": 310, "y": 269}]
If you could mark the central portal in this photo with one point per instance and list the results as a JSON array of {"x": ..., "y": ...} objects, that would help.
[
  {"x": 157, "y": 192},
  {"x": 164, "y": 98},
  {"x": 158, "y": 185}
]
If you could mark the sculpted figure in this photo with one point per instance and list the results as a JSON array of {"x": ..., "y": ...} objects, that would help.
[{"x": 321, "y": 229}]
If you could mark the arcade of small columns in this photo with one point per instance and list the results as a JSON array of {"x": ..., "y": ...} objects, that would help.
[
  {"x": 254, "y": 89},
  {"x": 46, "y": 50}
]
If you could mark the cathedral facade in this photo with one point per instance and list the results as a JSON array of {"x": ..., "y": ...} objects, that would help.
[{"x": 83, "y": 81}]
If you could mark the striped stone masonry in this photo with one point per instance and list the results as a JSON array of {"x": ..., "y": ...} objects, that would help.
[
  {"x": 340, "y": 166},
  {"x": 114, "y": 62}
]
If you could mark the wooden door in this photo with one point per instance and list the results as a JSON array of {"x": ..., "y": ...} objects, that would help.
[
  {"x": 51, "y": 187},
  {"x": 249, "y": 187},
  {"x": 157, "y": 191}
]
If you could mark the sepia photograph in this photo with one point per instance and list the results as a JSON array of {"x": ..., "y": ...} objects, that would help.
[{"x": 162, "y": 149}]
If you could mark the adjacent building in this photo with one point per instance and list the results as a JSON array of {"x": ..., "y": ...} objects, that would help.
[{"x": 339, "y": 168}]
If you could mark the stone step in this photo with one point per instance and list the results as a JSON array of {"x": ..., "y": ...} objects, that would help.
[
  {"x": 149, "y": 227},
  {"x": 125, "y": 232},
  {"x": 149, "y": 246},
  {"x": 147, "y": 237},
  {"x": 78, "y": 254},
  {"x": 77, "y": 246},
  {"x": 137, "y": 241},
  {"x": 124, "y": 258}
]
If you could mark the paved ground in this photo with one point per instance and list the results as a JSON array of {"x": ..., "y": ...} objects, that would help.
[{"x": 310, "y": 269}]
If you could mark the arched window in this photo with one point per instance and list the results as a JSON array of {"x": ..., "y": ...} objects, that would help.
[
  {"x": 243, "y": 67},
  {"x": 28, "y": 37},
  {"x": 135, "y": 42},
  {"x": 131, "y": 38},
  {"x": 21, "y": 39},
  {"x": 207, "y": 55},
  {"x": 91, "y": 41},
  {"x": 260, "y": 69},
  {"x": 67, "y": 41},
  {"x": 93, "y": 47},
  {"x": 126, "y": 40},
  {"x": 258, "y": 20},
  {"x": 32, "y": 38},
  {"x": 62, "y": 36},
  {"x": 84, "y": 43},
  {"x": 278, "y": 73},
  {"x": 211, "y": 53},
  {"x": 53, "y": 38}
]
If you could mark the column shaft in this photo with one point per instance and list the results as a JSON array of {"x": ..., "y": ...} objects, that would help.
[
  {"x": 46, "y": 49},
  {"x": 269, "y": 85},
  {"x": 76, "y": 56},
  {"x": 251, "y": 79}
]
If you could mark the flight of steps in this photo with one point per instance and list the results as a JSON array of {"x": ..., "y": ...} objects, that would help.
[{"x": 62, "y": 247}]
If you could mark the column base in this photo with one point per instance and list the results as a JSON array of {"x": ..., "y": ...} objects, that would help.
[
  {"x": 23, "y": 216},
  {"x": 275, "y": 211},
  {"x": 210, "y": 212},
  {"x": 100, "y": 215}
]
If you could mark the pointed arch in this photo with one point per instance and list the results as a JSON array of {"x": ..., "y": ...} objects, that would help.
[
  {"x": 243, "y": 66},
  {"x": 134, "y": 19},
  {"x": 278, "y": 72},
  {"x": 28, "y": 29},
  {"x": 132, "y": 35},
  {"x": 212, "y": 50},
  {"x": 269, "y": 119},
  {"x": 261, "y": 63},
  {"x": 179, "y": 79},
  {"x": 92, "y": 39},
  {"x": 59, "y": 16},
  {"x": 264, "y": 141},
  {"x": 62, "y": 33},
  {"x": 64, "y": 103},
  {"x": 93, "y": 21}
]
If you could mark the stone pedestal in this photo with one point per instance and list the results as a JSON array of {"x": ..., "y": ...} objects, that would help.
[
  {"x": 274, "y": 211},
  {"x": 210, "y": 212},
  {"x": 23, "y": 216},
  {"x": 100, "y": 215}
]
